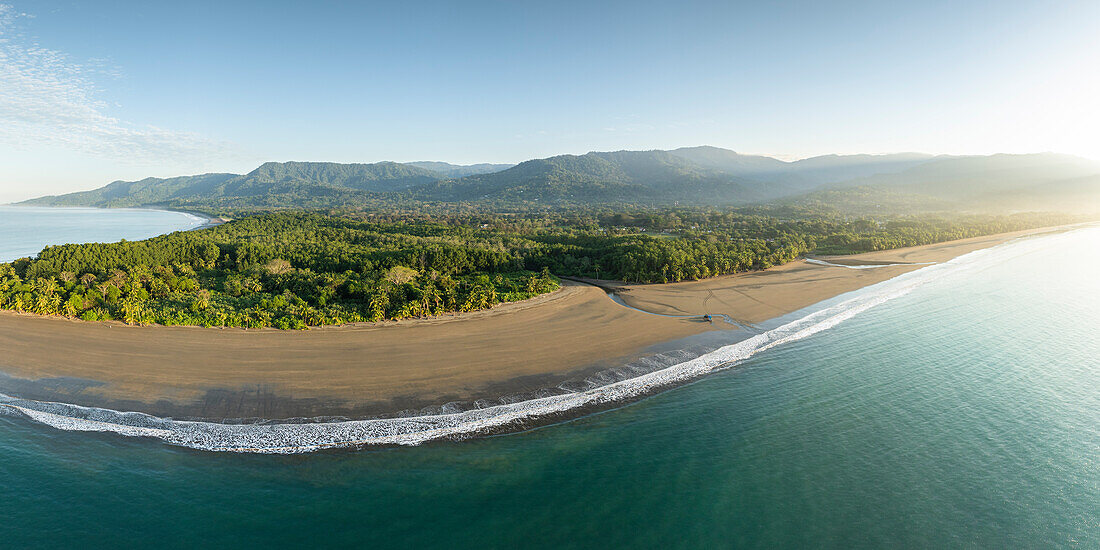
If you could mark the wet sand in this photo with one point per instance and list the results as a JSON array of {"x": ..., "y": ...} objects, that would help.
[{"x": 366, "y": 370}]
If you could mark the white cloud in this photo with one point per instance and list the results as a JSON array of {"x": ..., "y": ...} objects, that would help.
[{"x": 48, "y": 98}]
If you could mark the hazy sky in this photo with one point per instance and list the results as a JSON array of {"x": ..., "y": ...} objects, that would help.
[{"x": 96, "y": 91}]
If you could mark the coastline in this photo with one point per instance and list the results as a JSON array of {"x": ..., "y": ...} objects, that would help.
[
  {"x": 746, "y": 296},
  {"x": 569, "y": 339},
  {"x": 207, "y": 220}
]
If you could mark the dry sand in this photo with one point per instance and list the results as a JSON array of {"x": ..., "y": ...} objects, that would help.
[{"x": 372, "y": 369}]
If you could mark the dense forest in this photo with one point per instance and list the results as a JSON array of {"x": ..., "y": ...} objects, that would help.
[
  {"x": 299, "y": 269},
  {"x": 289, "y": 270}
]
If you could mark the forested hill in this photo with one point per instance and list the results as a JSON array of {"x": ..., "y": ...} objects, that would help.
[
  {"x": 699, "y": 175},
  {"x": 449, "y": 170},
  {"x": 694, "y": 175},
  {"x": 121, "y": 194},
  {"x": 621, "y": 176},
  {"x": 271, "y": 184},
  {"x": 380, "y": 177}
]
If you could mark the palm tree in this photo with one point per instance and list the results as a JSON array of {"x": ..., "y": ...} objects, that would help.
[
  {"x": 47, "y": 285},
  {"x": 132, "y": 310},
  {"x": 73, "y": 305},
  {"x": 202, "y": 300},
  {"x": 430, "y": 298},
  {"x": 54, "y": 304},
  {"x": 313, "y": 318},
  {"x": 42, "y": 304}
]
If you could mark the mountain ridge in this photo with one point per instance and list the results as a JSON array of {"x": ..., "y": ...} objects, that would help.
[
  {"x": 701, "y": 175},
  {"x": 459, "y": 170}
]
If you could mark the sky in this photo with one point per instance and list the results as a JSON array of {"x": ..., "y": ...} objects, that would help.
[{"x": 92, "y": 92}]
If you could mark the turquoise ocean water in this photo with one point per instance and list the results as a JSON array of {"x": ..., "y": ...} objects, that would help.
[{"x": 962, "y": 413}]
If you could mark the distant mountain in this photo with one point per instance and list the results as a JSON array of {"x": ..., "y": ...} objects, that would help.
[
  {"x": 448, "y": 170},
  {"x": 731, "y": 162},
  {"x": 801, "y": 175},
  {"x": 837, "y": 168},
  {"x": 1001, "y": 182},
  {"x": 977, "y": 176},
  {"x": 272, "y": 184},
  {"x": 621, "y": 176},
  {"x": 121, "y": 194},
  {"x": 691, "y": 175},
  {"x": 378, "y": 177},
  {"x": 704, "y": 174}
]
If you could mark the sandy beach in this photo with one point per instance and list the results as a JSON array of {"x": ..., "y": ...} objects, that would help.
[
  {"x": 757, "y": 296},
  {"x": 363, "y": 370}
]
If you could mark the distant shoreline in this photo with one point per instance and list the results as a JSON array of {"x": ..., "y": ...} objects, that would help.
[
  {"x": 206, "y": 219},
  {"x": 360, "y": 371},
  {"x": 157, "y": 224}
]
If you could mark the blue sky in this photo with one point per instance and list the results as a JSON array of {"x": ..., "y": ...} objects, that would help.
[{"x": 96, "y": 91}]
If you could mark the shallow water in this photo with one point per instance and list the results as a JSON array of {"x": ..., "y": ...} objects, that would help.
[{"x": 964, "y": 413}]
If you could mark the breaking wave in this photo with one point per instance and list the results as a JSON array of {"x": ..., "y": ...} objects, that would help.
[{"x": 289, "y": 438}]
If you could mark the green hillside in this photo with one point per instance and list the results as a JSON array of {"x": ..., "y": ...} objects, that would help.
[
  {"x": 148, "y": 191},
  {"x": 378, "y": 177},
  {"x": 731, "y": 161},
  {"x": 622, "y": 176},
  {"x": 273, "y": 184},
  {"x": 448, "y": 170}
]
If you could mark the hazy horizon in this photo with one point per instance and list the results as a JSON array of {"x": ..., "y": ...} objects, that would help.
[{"x": 92, "y": 94}]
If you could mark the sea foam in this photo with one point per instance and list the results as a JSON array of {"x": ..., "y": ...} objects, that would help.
[{"x": 289, "y": 438}]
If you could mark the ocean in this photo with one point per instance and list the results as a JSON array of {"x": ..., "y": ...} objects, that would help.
[
  {"x": 955, "y": 407},
  {"x": 25, "y": 230}
]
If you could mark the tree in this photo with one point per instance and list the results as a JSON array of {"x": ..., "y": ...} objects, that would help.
[{"x": 399, "y": 275}]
